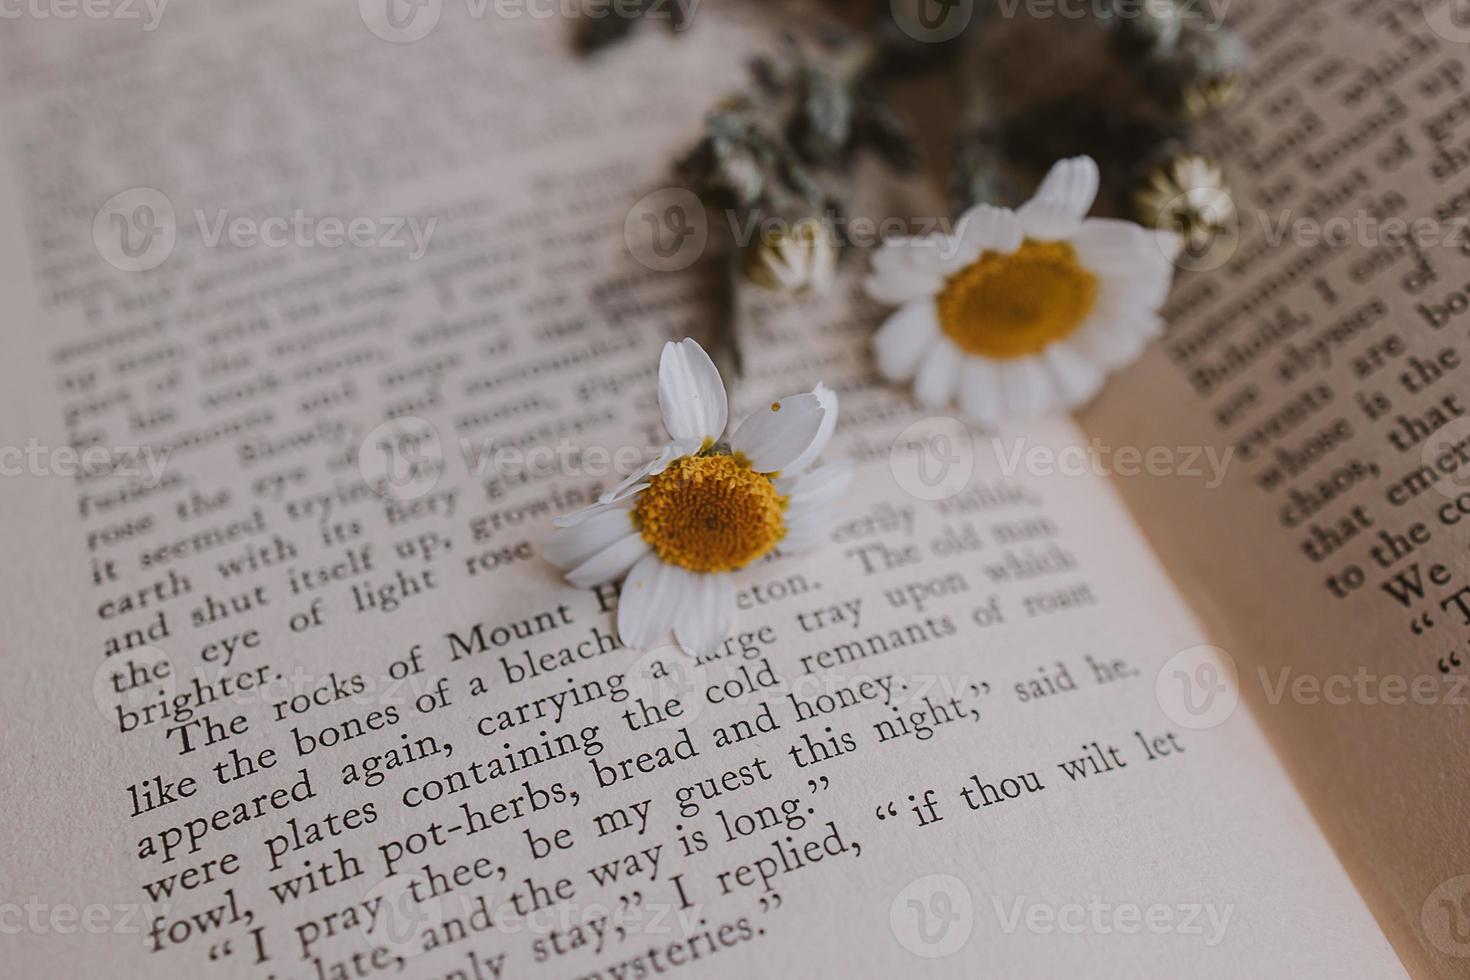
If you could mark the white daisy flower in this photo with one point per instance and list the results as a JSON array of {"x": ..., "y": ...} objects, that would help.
[
  {"x": 704, "y": 507},
  {"x": 1021, "y": 313}
]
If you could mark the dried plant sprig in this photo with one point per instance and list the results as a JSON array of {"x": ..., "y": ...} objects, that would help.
[
  {"x": 978, "y": 172},
  {"x": 598, "y": 27},
  {"x": 1188, "y": 67},
  {"x": 780, "y": 151}
]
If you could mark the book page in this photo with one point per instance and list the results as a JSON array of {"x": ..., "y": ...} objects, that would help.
[
  {"x": 316, "y": 322},
  {"x": 1324, "y": 352}
]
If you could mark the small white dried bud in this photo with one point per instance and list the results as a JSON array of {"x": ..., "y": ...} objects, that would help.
[
  {"x": 799, "y": 258},
  {"x": 1186, "y": 194}
]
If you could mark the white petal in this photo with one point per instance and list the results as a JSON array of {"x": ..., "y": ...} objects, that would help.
[
  {"x": 1072, "y": 183},
  {"x": 704, "y": 618},
  {"x": 814, "y": 508},
  {"x": 609, "y": 564},
  {"x": 1062, "y": 200},
  {"x": 809, "y": 531},
  {"x": 906, "y": 269},
  {"x": 1114, "y": 338},
  {"x": 1133, "y": 264},
  {"x": 900, "y": 286},
  {"x": 905, "y": 338},
  {"x": 569, "y": 546},
  {"x": 1026, "y": 388},
  {"x": 777, "y": 435},
  {"x": 828, "y": 399},
  {"x": 821, "y": 486},
  {"x": 649, "y": 602},
  {"x": 939, "y": 374},
  {"x": 985, "y": 228},
  {"x": 1048, "y": 221},
  {"x": 980, "y": 395},
  {"x": 1075, "y": 378},
  {"x": 1105, "y": 245},
  {"x": 690, "y": 392},
  {"x": 637, "y": 481},
  {"x": 578, "y": 516},
  {"x": 923, "y": 254},
  {"x": 893, "y": 255},
  {"x": 1143, "y": 288}
]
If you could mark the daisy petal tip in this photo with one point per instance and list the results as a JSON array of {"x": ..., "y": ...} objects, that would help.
[{"x": 691, "y": 393}]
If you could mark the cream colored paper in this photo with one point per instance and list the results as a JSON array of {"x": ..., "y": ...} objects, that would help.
[{"x": 266, "y": 373}]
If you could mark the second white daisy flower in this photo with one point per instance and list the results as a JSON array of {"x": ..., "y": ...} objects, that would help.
[{"x": 1021, "y": 313}]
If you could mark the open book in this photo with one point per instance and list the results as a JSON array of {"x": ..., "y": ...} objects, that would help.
[{"x": 1176, "y": 689}]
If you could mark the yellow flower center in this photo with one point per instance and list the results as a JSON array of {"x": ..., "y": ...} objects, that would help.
[
  {"x": 1004, "y": 306},
  {"x": 710, "y": 513}
]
